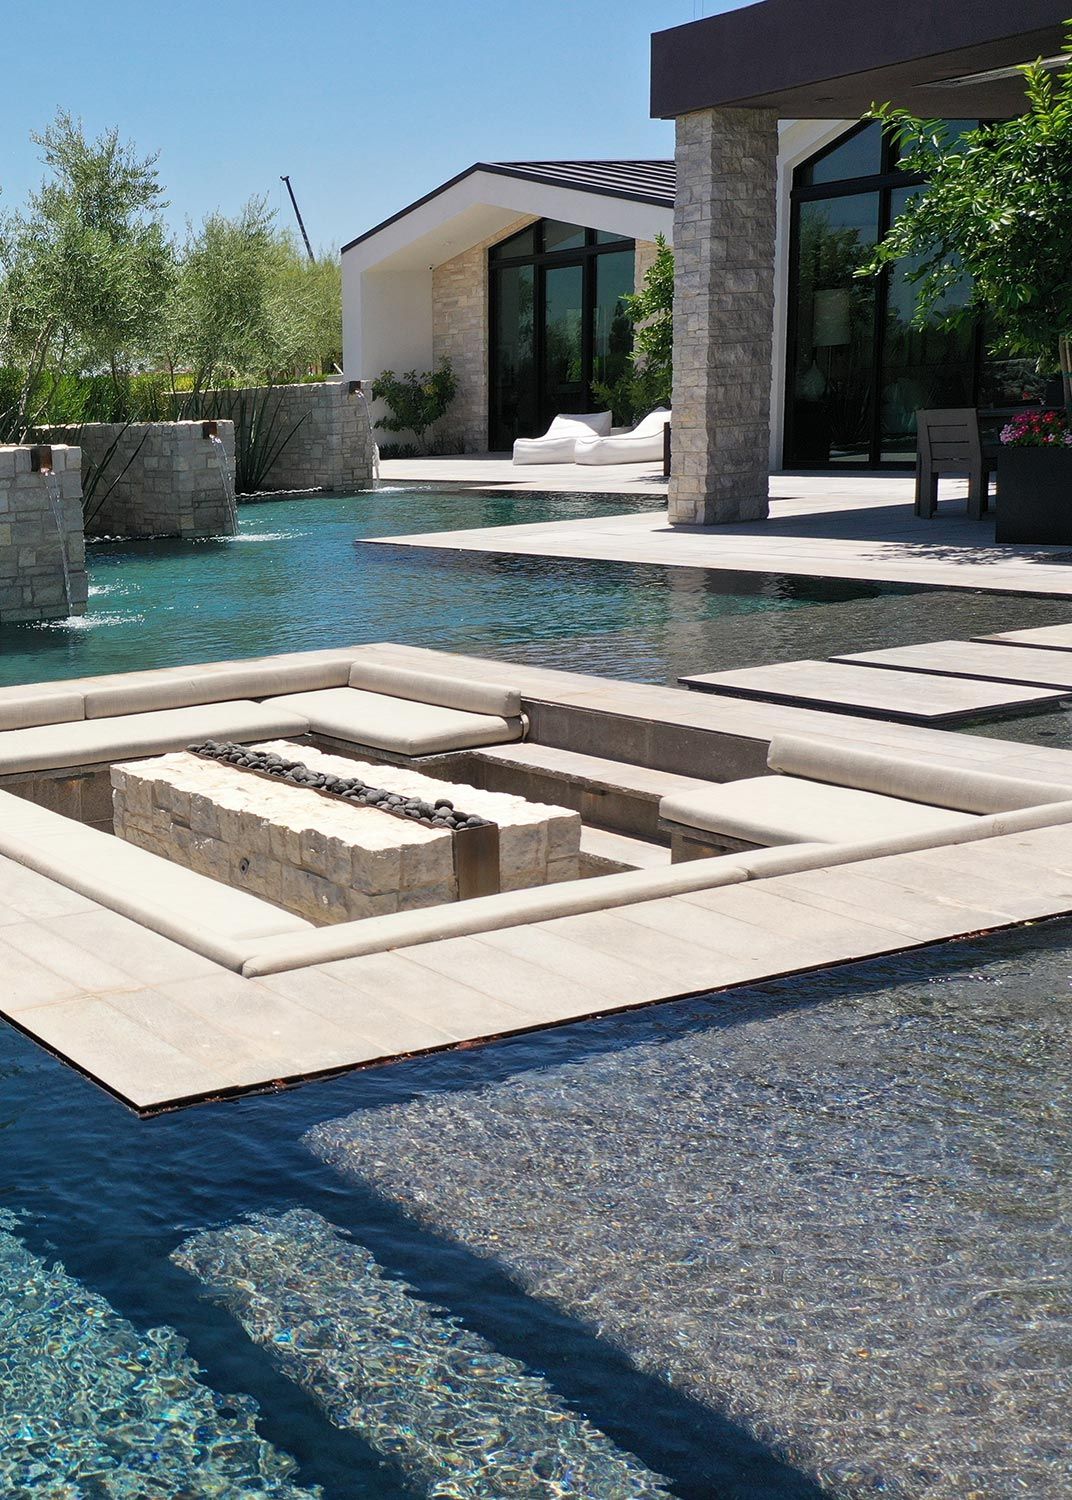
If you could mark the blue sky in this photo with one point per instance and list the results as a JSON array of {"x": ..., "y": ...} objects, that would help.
[{"x": 367, "y": 106}]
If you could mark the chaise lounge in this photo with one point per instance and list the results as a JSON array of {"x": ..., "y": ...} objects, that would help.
[
  {"x": 559, "y": 442},
  {"x": 644, "y": 445}
]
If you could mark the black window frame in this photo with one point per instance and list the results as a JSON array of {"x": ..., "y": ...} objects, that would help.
[
  {"x": 585, "y": 256},
  {"x": 889, "y": 178}
]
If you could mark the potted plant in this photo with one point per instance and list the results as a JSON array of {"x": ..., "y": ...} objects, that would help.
[
  {"x": 991, "y": 232},
  {"x": 1035, "y": 479}
]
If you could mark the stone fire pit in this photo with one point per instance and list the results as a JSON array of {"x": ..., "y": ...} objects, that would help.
[{"x": 327, "y": 860}]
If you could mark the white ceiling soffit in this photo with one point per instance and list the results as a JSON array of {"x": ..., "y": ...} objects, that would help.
[{"x": 481, "y": 205}]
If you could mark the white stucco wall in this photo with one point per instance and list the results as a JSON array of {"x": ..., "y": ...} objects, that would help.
[{"x": 387, "y": 279}]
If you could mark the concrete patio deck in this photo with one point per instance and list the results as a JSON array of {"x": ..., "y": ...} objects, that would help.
[
  {"x": 858, "y": 526},
  {"x": 161, "y": 1025}
]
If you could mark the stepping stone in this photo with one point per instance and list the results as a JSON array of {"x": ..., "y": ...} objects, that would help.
[
  {"x": 875, "y": 692},
  {"x": 1033, "y": 667},
  {"x": 1055, "y": 637},
  {"x": 434, "y": 1398}
]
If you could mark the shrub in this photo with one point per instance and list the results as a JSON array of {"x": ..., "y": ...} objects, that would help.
[{"x": 415, "y": 402}]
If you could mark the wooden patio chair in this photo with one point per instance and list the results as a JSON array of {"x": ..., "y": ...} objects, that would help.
[{"x": 947, "y": 442}]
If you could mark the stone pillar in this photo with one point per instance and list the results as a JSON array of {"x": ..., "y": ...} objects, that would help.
[
  {"x": 724, "y": 228},
  {"x": 42, "y": 544}
]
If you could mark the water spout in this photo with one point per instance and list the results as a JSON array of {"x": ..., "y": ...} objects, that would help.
[
  {"x": 54, "y": 491},
  {"x": 227, "y": 480},
  {"x": 357, "y": 389}
]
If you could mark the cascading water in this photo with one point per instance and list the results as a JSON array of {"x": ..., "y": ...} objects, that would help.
[
  {"x": 360, "y": 394},
  {"x": 54, "y": 491},
  {"x": 227, "y": 479}
]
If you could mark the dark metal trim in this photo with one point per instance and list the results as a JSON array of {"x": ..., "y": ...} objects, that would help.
[{"x": 657, "y": 200}]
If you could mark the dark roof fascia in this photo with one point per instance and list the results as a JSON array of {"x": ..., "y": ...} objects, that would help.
[
  {"x": 822, "y": 59},
  {"x": 501, "y": 171}
]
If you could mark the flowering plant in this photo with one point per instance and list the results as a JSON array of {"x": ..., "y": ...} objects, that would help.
[{"x": 1038, "y": 429}]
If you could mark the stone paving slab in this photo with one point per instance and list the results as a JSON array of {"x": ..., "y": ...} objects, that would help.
[
  {"x": 909, "y": 697},
  {"x": 1054, "y": 637},
  {"x": 202, "y": 1031},
  {"x": 989, "y": 660}
]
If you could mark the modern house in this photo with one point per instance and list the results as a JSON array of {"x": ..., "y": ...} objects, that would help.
[
  {"x": 514, "y": 271},
  {"x": 782, "y": 355}
]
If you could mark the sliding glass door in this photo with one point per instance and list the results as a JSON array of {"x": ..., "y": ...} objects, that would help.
[{"x": 557, "y": 324}]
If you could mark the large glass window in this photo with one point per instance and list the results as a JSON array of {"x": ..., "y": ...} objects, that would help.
[
  {"x": 858, "y": 370},
  {"x": 557, "y": 324}
]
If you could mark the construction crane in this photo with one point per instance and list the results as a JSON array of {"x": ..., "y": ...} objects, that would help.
[{"x": 297, "y": 215}]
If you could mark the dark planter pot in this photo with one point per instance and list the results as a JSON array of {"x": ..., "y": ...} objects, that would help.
[{"x": 1035, "y": 496}]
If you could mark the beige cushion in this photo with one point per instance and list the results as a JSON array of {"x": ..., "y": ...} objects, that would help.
[
  {"x": 202, "y": 914},
  {"x": 788, "y": 810},
  {"x": 142, "y": 692},
  {"x": 95, "y": 741},
  {"x": 901, "y": 776},
  {"x": 489, "y": 913},
  {"x": 433, "y": 687},
  {"x": 397, "y": 725},
  {"x": 39, "y": 703}
]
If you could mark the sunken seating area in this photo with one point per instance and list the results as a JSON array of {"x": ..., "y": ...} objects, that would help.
[{"x": 822, "y": 793}]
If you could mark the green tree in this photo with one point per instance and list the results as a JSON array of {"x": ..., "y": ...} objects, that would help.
[
  {"x": 227, "y": 316},
  {"x": 312, "y": 292},
  {"x": 414, "y": 402},
  {"x": 648, "y": 378},
  {"x": 85, "y": 268},
  {"x": 997, "y": 210}
]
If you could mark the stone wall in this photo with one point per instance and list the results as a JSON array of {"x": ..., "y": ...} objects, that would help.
[
  {"x": 329, "y": 441},
  {"x": 724, "y": 241},
  {"x": 41, "y": 537},
  {"x": 460, "y": 334},
  {"x": 159, "y": 479}
]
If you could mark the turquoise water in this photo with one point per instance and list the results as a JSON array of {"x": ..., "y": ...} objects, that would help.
[
  {"x": 804, "y": 1241},
  {"x": 295, "y": 579}
]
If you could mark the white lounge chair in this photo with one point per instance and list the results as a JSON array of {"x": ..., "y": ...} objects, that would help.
[
  {"x": 558, "y": 442},
  {"x": 644, "y": 445}
]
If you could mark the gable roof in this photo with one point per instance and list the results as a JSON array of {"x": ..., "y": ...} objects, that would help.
[{"x": 647, "y": 181}]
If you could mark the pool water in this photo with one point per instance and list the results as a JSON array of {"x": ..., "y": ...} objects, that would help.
[
  {"x": 807, "y": 1239},
  {"x": 294, "y": 579}
]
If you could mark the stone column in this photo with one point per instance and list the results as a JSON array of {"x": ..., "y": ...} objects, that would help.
[{"x": 724, "y": 228}]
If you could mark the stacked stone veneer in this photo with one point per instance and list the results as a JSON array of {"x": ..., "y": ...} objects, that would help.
[
  {"x": 162, "y": 479},
  {"x": 460, "y": 332},
  {"x": 724, "y": 234},
  {"x": 329, "y": 440},
  {"x": 325, "y": 860},
  {"x": 37, "y": 532}
]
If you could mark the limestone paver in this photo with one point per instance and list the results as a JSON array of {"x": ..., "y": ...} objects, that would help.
[
  {"x": 147, "y": 957},
  {"x": 533, "y": 993},
  {"x": 26, "y": 982},
  {"x": 382, "y": 1025},
  {"x": 71, "y": 961},
  {"x": 996, "y": 663},
  {"x": 915, "y": 697},
  {"x": 856, "y": 527},
  {"x": 450, "y": 1003},
  {"x": 604, "y": 973}
]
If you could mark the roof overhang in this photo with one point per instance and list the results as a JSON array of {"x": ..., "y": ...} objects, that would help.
[
  {"x": 483, "y": 200},
  {"x": 817, "y": 59}
]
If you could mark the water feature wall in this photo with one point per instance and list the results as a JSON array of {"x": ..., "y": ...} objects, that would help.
[
  {"x": 156, "y": 479},
  {"x": 329, "y": 442},
  {"x": 42, "y": 545}
]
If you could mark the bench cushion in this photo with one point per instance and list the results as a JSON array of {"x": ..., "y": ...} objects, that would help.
[
  {"x": 143, "y": 692},
  {"x": 916, "y": 779},
  {"x": 201, "y": 913},
  {"x": 39, "y": 703},
  {"x": 433, "y": 687},
  {"x": 397, "y": 725},
  {"x": 787, "y": 810},
  {"x": 89, "y": 742}
]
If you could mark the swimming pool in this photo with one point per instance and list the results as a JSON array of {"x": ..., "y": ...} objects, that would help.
[
  {"x": 294, "y": 579},
  {"x": 808, "y": 1239}
]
